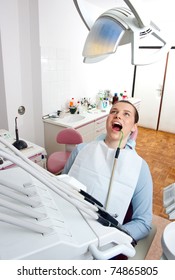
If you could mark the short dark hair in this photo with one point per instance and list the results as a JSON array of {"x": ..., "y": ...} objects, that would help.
[{"x": 135, "y": 109}]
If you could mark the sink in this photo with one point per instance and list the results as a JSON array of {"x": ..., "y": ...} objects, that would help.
[
  {"x": 168, "y": 241},
  {"x": 74, "y": 118}
]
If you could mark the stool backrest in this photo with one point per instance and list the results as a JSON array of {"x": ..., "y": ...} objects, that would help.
[{"x": 69, "y": 136}]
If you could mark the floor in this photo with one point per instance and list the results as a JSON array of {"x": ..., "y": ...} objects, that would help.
[{"x": 158, "y": 149}]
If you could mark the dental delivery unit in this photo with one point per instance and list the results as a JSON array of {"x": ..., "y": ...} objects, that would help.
[{"x": 44, "y": 216}]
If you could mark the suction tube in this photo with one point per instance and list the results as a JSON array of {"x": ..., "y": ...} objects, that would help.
[{"x": 113, "y": 168}]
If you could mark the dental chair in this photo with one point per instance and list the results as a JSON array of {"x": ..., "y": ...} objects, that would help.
[{"x": 57, "y": 160}]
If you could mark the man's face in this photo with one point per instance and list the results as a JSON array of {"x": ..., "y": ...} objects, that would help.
[{"x": 121, "y": 117}]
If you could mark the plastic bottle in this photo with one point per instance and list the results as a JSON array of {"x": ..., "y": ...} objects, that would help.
[
  {"x": 125, "y": 96},
  {"x": 121, "y": 96},
  {"x": 79, "y": 108},
  {"x": 105, "y": 104},
  {"x": 72, "y": 102},
  {"x": 100, "y": 104},
  {"x": 115, "y": 98}
]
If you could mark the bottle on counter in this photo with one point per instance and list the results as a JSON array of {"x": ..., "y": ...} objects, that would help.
[
  {"x": 105, "y": 104},
  {"x": 125, "y": 96},
  {"x": 100, "y": 104},
  {"x": 121, "y": 96},
  {"x": 72, "y": 102},
  {"x": 115, "y": 98},
  {"x": 79, "y": 108}
]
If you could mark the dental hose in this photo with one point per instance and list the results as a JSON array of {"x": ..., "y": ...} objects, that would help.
[{"x": 113, "y": 168}]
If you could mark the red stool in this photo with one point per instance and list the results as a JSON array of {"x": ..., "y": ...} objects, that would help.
[{"x": 57, "y": 160}]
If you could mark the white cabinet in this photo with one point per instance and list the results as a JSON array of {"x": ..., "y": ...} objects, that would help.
[
  {"x": 92, "y": 130},
  {"x": 100, "y": 127},
  {"x": 50, "y": 133},
  {"x": 89, "y": 131}
]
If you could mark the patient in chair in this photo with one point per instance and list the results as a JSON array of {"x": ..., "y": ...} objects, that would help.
[{"x": 114, "y": 173}]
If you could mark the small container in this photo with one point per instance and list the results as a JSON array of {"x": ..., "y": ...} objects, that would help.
[
  {"x": 105, "y": 104},
  {"x": 115, "y": 98},
  {"x": 58, "y": 112},
  {"x": 121, "y": 96},
  {"x": 125, "y": 96},
  {"x": 100, "y": 104},
  {"x": 72, "y": 102},
  {"x": 73, "y": 109},
  {"x": 79, "y": 108}
]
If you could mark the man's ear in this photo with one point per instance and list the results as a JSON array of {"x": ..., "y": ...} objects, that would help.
[
  {"x": 134, "y": 132},
  {"x": 134, "y": 128}
]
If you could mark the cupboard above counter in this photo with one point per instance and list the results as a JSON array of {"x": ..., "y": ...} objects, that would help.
[{"x": 90, "y": 124}]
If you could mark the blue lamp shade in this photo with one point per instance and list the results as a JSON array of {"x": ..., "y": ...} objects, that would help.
[{"x": 103, "y": 39}]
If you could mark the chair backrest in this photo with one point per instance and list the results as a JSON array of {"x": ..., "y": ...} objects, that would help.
[{"x": 69, "y": 136}]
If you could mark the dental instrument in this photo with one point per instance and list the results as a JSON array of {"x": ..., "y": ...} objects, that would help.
[
  {"x": 45, "y": 172},
  {"x": 48, "y": 215},
  {"x": 19, "y": 144},
  {"x": 100, "y": 214},
  {"x": 113, "y": 169},
  {"x": 94, "y": 211}
]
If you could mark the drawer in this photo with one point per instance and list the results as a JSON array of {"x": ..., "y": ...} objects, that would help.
[
  {"x": 87, "y": 131},
  {"x": 100, "y": 126},
  {"x": 100, "y": 122}
]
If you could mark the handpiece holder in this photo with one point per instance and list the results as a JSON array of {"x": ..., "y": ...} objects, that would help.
[{"x": 19, "y": 144}]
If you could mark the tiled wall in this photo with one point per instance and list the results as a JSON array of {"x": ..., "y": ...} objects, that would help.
[{"x": 56, "y": 78}]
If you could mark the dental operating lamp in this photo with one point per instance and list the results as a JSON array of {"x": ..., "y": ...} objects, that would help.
[{"x": 119, "y": 26}]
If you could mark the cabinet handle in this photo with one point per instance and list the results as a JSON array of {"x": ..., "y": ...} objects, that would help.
[
  {"x": 99, "y": 130},
  {"x": 99, "y": 122}
]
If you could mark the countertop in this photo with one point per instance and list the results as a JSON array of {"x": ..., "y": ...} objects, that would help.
[{"x": 78, "y": 120}]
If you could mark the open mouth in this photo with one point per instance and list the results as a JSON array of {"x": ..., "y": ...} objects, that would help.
[{"x": 117, "y": 126}]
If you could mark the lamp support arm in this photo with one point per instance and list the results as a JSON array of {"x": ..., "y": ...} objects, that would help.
[{"x": 136, "y": 6}]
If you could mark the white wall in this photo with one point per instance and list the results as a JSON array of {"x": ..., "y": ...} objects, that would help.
[
  {"x": 3, "y": 107},
  {"x": 21, "y": 67},
  {"x": 10, "y": 57}
]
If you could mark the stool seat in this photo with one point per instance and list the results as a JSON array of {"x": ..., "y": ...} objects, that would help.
[{"x": 57, "y": 161}]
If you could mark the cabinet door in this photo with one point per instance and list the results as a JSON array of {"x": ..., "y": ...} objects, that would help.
[
  {"x": 100, "y": 126},
  {"x": 148, "y": 87},
  {"x": 50, "y": 134},
  {"x": 167, "y": 117},
  {"x": 87, "y": 131}
]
